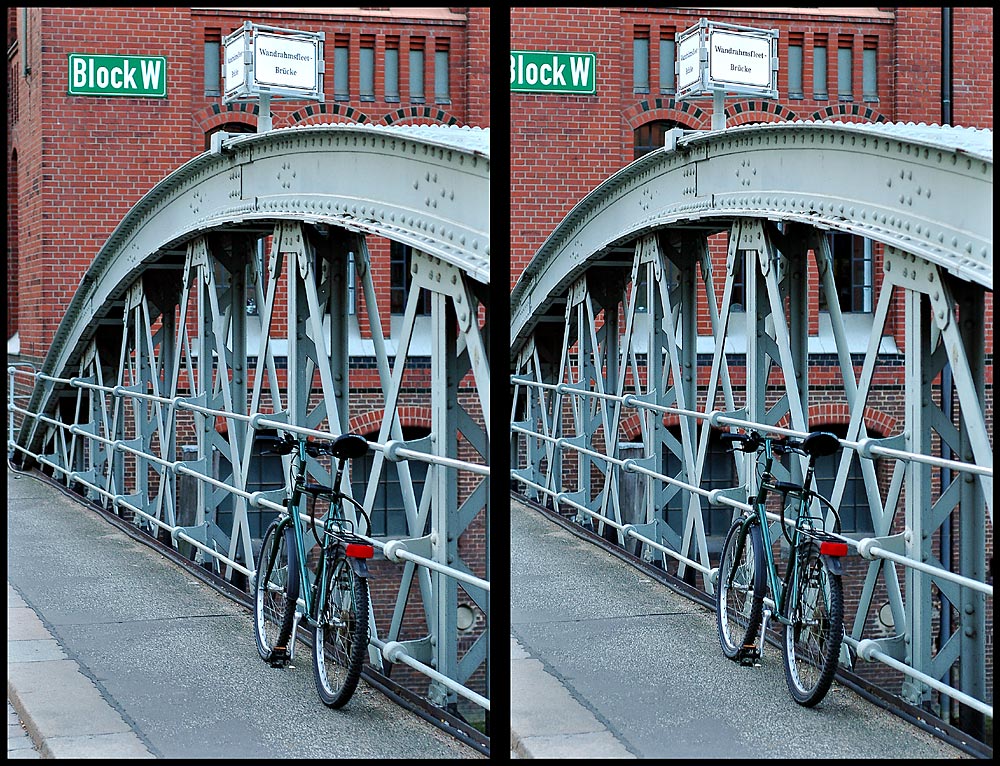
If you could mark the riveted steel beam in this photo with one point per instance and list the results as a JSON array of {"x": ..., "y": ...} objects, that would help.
[
  {"x": 777, "y": 190},
  {"x": 426, "y": 187},
  {"x": 926, "y": 191}
]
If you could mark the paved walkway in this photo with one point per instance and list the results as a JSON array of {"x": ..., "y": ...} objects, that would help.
[
  {"x": 608, "y": 663},
  {"x": 40, "y": 680},
  {"x": 113, "y": 651},
  {"x": 19, "y": 743}
]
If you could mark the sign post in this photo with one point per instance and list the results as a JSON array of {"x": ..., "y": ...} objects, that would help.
[
  {"x": 261, "y": 62},
  {"x": 714, "y": 59}
]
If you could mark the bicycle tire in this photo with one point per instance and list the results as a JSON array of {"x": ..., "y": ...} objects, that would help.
[
  {"x": 740, "y": 603},
  {"x": 276, "y": 591},
  {"x": 340, "y": 636},
  {"x": 814, "y": 636}
]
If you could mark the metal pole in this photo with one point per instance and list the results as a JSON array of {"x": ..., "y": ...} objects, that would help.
[
  {"x": 718, "y": 109},
  {"x": 264, "y": 113}
]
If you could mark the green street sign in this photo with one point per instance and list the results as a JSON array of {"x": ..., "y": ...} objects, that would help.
[
  {"x": 135, "y": 76},
  {"x": 550, "y": 72}
]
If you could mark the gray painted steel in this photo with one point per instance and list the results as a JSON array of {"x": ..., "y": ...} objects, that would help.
[
  {"x": 922, "y": 189},
  {"x": 424, "y": 186},
  {"x": 605, "y": 342},
  {"x": 192, "y": 249}
]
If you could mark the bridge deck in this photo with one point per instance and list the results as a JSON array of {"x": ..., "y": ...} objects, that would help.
[
  {"x": 174, "y": 658},
  {"x": 607, "y": 662}
]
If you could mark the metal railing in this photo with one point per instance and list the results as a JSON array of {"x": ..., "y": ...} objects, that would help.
[
  {"x": 866, "y": 547},
  {"x": 394, "y": 550}
]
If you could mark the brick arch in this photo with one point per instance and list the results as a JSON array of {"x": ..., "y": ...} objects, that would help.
[
  {"x": 419, "y": 115},
  {"x": 848, "y": 113},
  {"x": 757, "y": 110},
  {"x": 683, "y": 112},
  {"x": 410, "y": 416},
  {"x": 838, "y": 413},
  {"x": 212, "y": 117},
  {"x": 876, "y": 421},
  {"x": 314, "y": 114}
]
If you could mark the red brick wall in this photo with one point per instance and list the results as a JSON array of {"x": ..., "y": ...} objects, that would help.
[
  {"x": 918, "y": 69},
  {"x": 918, "y": 64},
  {"x": 477, "y": 70},
  {"x": 98, "y": 156},
  {"x": 84, "y": 161},
  {"x": 562, "y": 145},
  {"x": 972, "y": 66}
]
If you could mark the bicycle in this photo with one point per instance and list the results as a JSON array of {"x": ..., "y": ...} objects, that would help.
[
  {"x": 336, "y": 598},
  {"x": 809, "y": 601}
]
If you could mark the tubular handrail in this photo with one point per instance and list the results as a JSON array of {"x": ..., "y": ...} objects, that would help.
[
  {"x": 867, "y": 547},
  {"x": 257, "y": 420},
  {"x": 718, "y": 418},
  {"x": 394, "y": 550}
]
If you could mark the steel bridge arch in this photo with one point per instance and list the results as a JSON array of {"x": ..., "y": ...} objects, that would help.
[
  {"x": 187, "y": 253},
  {"x": 583, "y": 358},
  {"x": 860, "y": 181}
]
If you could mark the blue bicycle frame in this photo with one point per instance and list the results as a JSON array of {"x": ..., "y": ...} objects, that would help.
[
  {"x": 334, "y": 515},
  {"x": 803, "y": 521}
]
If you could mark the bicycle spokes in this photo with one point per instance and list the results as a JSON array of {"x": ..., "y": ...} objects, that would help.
[
  {"x": 275, "y": 594},
  {"x": 341, "y": 635},
  {"x": 739, "y": 599},
  {"x": 814, "y": 634}
]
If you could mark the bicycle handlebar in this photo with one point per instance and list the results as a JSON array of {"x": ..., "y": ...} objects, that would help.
[
  {"x": 344, "y": 446},
  {"x": 817, "y": 444}
]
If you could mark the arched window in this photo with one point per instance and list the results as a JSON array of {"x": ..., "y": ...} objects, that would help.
[
  {"x": 719, "y": 472},
  {"x": 387, "y": 512},
  {"x": 651, "y": 135},
  {"x": 229, "y": 127},
  {"x": 855, "y": 514}
]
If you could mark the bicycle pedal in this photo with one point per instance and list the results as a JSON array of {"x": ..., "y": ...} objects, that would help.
[
  {"x": 749, "y": 656},
  {"x": 279, "y": 657}
]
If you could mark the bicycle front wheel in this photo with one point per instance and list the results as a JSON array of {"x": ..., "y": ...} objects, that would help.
[
  {"x": 276, "y": 592},
  {"x": 340, "y": 637},
  {"x": 740, "y": 590},
  {"x": 816, "y": 631}
]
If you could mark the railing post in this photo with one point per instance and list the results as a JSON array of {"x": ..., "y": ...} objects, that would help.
[{"x": 919, "y": 523}]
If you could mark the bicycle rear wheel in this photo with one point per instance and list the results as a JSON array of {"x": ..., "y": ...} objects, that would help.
[
  {"x": 740, "y": 590},
  {"x": 340, "y": 637},
  {"x": 813, "y": 638},
  {"x": 276, "y": 592}
]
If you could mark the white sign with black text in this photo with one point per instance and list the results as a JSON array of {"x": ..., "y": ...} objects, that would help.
[
  {"x": 260, "y": 61},
  {"x": 233, "y": 67},
  {"x": 281, "y": 61},
  {"x": 718, "y": 58},
  {"x": 739, "y": 59},
  {"x": 689, "y": 61}
]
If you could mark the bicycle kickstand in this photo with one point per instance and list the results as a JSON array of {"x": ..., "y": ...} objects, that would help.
[
  {"x": 295, "y": 632},
  {"x": 750, "y": 654}
]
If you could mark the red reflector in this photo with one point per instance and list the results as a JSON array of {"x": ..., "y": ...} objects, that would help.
[
  {"x": 357, "y": 551},
  {"x": 828, "y": 548}
]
